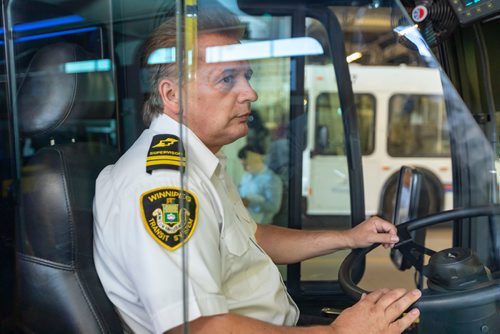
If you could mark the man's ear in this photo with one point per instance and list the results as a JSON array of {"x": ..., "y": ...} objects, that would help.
[{"x": 169, "y": 95}]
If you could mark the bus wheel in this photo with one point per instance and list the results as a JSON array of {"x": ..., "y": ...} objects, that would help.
[{"x": 431, "y": 199}]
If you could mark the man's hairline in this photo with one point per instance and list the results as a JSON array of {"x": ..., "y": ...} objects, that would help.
[
  {"x": 201, "y": 55},
  {"x": 203, "y": 34}
]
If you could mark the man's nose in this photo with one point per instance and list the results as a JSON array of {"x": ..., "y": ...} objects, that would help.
[{"x": 247, "y": 94}]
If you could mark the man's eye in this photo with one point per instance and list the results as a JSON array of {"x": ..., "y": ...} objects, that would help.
[
  {"x": 248, "y": 75},
  {"x": 228, "y": 79}
]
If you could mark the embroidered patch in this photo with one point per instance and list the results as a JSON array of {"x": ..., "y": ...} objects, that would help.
[
  {"x": 165, "y": 152},
  {"x": 170, "y": 215}
]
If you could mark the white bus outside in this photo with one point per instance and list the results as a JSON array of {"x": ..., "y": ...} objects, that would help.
[{"x": 402, "y": 121}]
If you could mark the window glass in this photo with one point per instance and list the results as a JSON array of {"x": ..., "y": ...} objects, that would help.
[
  {"x": 69, "y": 97},
  {"x": 7, "y": 202},
  {"x": 72, "y": 72},
  {"x": 329, "y": 125},
  {"x": 268, "y": 125},
  {"x": 325, "y": 175},
  {"x": 390, "y": 75},
  {"x": 417, "y": 126},
  {"x": 57, "y": 78}
]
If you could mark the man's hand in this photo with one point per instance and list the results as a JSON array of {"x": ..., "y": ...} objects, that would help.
[
  {"x": 373, "y": 230},
  {"x": 379, "y": 313}
]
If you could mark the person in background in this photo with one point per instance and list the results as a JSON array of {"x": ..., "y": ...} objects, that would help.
[{"x": 260, "y": 188}]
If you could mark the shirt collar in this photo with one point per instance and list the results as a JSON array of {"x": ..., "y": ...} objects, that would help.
[{"x": 197, "y": 152}]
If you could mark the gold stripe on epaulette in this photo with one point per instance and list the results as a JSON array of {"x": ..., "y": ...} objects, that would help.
[
  {"x": 168, "y": 157},
  {"x": 167, "y": 162}
]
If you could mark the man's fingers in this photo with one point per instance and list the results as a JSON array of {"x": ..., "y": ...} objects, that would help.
[
  {"x": 384, "y": 226},
  {"x": 391, "y": 298},
  {"x": 386, "y": 232},
  {"x": 402, "y": 303},
  {"x": 386, "y": 239},
  {"x": 404, "y": 322},
  {"x": 374, "y": 296},
  {"x": 386, "y": 246}
]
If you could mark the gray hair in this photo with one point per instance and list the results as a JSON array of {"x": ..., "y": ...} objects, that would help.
[{"x": 213, "y": 19}]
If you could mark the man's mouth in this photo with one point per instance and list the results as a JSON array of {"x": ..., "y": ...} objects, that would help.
[{"x": 243, "y": 117}]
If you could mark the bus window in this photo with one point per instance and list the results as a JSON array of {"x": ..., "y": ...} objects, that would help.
[
  {"x": 417, "y": 126},
  {"x": 329, "y": 129},
  {"x": 365, "y": 107}
]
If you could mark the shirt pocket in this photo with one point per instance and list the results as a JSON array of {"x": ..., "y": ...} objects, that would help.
[
  {"x": 242, "y": 267},
  {"x": 236, "y": 241}
]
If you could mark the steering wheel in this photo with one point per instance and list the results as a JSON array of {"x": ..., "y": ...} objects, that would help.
[{"x": 482, "y": 296}]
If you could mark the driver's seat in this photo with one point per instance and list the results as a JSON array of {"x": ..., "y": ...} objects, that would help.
[{"x": 58, "y": 288}]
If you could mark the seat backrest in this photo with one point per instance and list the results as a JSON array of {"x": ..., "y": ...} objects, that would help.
[{"x": 58, "y": 290}]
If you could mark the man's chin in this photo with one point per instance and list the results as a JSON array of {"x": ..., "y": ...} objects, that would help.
[
  {"x": 242, "y": 130},
  {"x": 239, "y": 134}
]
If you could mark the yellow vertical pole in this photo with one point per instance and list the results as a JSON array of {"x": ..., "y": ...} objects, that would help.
[
  {"x": 191, "y": 39},
  {"x": 189, "y": 66}
]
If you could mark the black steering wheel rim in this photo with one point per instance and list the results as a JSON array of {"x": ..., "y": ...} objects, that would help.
[{"x": 483, "y": 293}]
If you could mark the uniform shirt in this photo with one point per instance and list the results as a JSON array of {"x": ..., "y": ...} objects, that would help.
[
  {"x": 226, "y": 269},
  {"x": 263, "y": 191}
]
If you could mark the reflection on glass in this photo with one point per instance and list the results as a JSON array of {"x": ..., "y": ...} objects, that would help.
[
  {"x": 53, "y": 34},
  {"x": 58, "y": 21},
  {"x": 162, "y": 56},
  {"x": 288, "y": 47},
  {"x": 97, "y": 65}
]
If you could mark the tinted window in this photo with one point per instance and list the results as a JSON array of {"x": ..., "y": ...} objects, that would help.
[{"x": 417, "y": 126}]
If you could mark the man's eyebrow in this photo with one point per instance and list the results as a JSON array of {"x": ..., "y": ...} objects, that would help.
[
  {"x": 227, "y": 71},
  {"x": 235, "y": 70}
]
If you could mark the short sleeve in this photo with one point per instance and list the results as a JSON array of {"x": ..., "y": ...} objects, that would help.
[{"x": 157, "y": 269}]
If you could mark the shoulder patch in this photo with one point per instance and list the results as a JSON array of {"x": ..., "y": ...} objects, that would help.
[
  {"x": 165, "y": 152},
  {"x": 165, "y": 220}
]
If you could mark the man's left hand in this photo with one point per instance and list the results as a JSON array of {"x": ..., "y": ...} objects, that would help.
[{"x": 373, "y": 230}]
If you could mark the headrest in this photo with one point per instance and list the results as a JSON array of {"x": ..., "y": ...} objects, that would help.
[{"x": 57, "y": 89}]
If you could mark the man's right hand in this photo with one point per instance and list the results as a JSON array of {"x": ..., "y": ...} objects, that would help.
[
  {"x": 379, "y": 312},
  {"x": 376, "y": 313}
]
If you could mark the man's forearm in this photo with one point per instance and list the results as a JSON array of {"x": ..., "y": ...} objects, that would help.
[
  {"x": 286, "y": 245},
  {"x": 237, "y": 324},
  {"x": 289, "y": 246}
]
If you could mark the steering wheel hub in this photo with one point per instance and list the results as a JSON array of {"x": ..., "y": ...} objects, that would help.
[{"x": 455, "y": 269}]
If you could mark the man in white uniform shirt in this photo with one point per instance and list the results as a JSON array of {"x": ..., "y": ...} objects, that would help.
[{"x": 144, "y": 219}]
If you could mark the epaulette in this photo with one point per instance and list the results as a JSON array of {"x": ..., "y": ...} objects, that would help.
[{"x": 165, "y": 152}]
